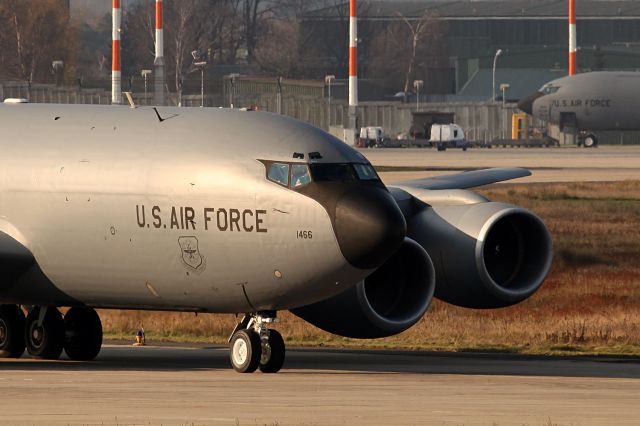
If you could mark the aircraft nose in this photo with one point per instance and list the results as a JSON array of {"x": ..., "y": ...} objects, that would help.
[
  {"x": 369, "y": 226},
  {"x": 526, "y": 104}
]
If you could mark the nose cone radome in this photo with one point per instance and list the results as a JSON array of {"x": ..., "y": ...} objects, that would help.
[
  {"x": 369, "y": 226},
  {"x": 526, "y": 104}
]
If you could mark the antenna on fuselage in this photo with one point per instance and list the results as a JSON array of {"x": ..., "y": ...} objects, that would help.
[
  {"x": 160, "y": 118},
  {"x": 132, "y": 104}
]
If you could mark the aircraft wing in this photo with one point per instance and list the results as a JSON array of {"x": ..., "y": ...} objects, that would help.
[{"x": 465, "y": 180}]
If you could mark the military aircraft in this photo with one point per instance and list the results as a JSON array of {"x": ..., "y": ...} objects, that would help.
[
  {"x": 603, "y": 100},
  {"x": 230, "y": 211}
]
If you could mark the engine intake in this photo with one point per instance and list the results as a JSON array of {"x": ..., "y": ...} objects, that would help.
[
  {"x": 486, "y": 255},
  {"x": 387, "y": 302}
]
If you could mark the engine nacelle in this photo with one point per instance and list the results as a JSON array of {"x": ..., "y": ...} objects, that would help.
[
  {"x": 486, "y": 255},
  {"x": 387, "y": 302}
]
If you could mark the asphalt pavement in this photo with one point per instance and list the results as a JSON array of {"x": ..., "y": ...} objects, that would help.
[{"x": 195, "y": 385}]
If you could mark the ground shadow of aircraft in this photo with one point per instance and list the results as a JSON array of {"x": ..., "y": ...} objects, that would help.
[{"x": 346, "y": 361}]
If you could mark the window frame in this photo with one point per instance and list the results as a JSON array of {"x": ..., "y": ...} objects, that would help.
[
  {"x": 291, "y": 166},
  {"x": 309, "y": 166},
  {"x": 376, "y": 177},
  {"x": 268, "y": 169},
  {"x": 354, "y": 173}
]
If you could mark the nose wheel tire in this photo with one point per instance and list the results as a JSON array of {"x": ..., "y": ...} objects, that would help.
[
  {"x": 83, "y": 334},
  {"x": 11, "y": 331},
  {"x": 590, "y": 141},
  {"x": 273, "y": 353},
  {"x": 245, "y": 351},
  {"x": 44, "y": 341}
]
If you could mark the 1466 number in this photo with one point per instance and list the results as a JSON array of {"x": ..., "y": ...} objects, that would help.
[{"x": 305, "y": 235}]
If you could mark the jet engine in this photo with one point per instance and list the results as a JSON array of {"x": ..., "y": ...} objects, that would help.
[
  {"x": 390, "y": 300},
  {"x": 486, "y": 255}
]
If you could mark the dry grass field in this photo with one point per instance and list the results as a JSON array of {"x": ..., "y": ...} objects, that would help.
[{"x": 590, "y": 302}]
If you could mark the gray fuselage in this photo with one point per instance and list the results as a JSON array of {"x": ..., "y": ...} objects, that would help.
[
  {"x": 120, "y": 209},
  {"x": 599, "y": 100}
]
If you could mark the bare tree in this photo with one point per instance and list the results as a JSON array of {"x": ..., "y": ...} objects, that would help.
[
  {"x": 294, "y": 8},
  {"x": 94, "y": 48},
  {"x": 250, "y": 20},
  {"x": 263, "y": 32},
  {"x": 138, "y": 35},
  {"x": 405, "y": 50},
  {"x": 223, "y": 30},
  {"x": 328, "y": 33},
  {"x": 338, "y": 48},
  {"x": 283, "y": 48},
  {"x": 255, "y": 16},
  {"x": 35, "y": 33},
  {"x": 215, "y": 28},
  {"x": 185, "y": 30},
  {"x": 278, "y": 50},
  {"x": 417, "y": 30}
]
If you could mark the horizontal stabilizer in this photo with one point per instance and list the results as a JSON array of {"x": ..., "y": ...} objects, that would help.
[{"x": 465, "y": 180}]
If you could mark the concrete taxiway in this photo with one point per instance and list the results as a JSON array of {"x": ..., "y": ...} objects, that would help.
[
  {"x": 606, "y": 163},
  {"x": 195, "y": 385}
]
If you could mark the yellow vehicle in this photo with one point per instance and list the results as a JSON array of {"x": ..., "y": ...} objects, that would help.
[{"x": 520, "y": 126}]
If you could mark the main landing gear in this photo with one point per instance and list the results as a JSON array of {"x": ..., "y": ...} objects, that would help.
[
  {"x": 252, "y": 345},
  {"x": 11, "y": 331},
  {"x": 45, "y": 333},
  {"x": 588, "y": 140}
]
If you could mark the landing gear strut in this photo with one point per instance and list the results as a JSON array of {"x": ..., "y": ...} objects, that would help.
[
  {"x": 44, "y": 333},
  {"x": 252, "y": 345}
]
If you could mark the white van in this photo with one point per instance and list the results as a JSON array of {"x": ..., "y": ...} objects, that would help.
[
  {"x": 445, "y": 136},
  {"x": 371, "y": 136}
]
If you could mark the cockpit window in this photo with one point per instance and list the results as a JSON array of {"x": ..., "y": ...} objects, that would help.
[
  {"x": 547, "y": 90},
  {"x": 366, "y": 172},
  {"x": 299, "y": 175},
  {"x": 332, "y": 172},
  {"x": 279, "y": 173}
]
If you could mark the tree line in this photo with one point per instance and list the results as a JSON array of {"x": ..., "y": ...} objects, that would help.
[{"x": 272, "y": 36}]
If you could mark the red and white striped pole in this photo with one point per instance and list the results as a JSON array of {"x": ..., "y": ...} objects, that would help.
[
  {"x": 159, "y": 30},
  {"x": 353, "y": 72},
  {"x": 573, "y": 45},
  {"x": 353, "y": 54},
  {"x": 116, "y": 72},
  {"x": 158, "y": 63}
]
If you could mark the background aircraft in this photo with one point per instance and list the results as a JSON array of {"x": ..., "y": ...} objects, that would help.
[
  {"x": 214, "y": 210},
  {"x": 607, "y": 100}
]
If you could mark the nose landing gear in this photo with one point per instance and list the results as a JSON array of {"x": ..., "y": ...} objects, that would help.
[
  {"x": 245, "y": 350},
  {"x": 252, "y": 345}
]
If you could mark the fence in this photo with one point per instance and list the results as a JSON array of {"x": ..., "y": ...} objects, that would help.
[{"x": 306, "y": 101}]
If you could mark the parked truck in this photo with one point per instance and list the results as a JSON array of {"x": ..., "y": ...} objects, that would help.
[
  {"x": 444, "y": 136},
  {"x": 370, "y": 137}
]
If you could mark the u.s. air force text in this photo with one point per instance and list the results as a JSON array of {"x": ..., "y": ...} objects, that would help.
[{"x": 207, "y": 219}]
